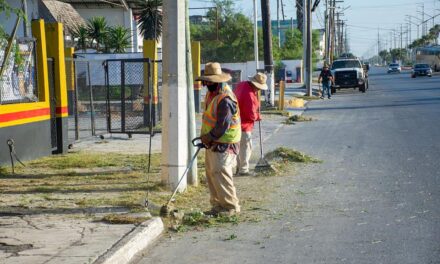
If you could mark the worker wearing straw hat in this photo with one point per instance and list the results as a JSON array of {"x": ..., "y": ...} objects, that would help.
[
  {"x": 221, "y": 134},
  {"x": 247, "y": 96}
]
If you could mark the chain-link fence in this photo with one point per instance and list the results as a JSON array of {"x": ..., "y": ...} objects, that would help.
[
  {"x": 89, "y": 100},
  {"x": 18, "y": 71},
  {"x": 134, "y": 107}
]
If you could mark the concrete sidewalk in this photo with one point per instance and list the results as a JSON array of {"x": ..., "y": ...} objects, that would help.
[{"x": 41, "y": 235}]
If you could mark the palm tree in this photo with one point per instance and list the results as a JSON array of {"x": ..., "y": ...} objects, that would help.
[
  {"x": 97, "y": 30},
  {"x": 119, "y": 39},
  {"x": 150, "y": 21},
  {"x": 81, "y": 34}
]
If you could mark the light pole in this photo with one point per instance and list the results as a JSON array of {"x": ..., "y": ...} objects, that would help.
[
  {"x": 257, "y": 66},
  {"x": 418, "y": 35}
]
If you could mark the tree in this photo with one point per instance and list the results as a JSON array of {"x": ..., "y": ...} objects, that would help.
[
  {"x": 385, "y": 56},
  {"x": 119, "y": 39},
  {"x": 82, "y": 37},
  {"x": 97, "y": 30},
  {"x": 150, "y": 19},
  {"x": 7, "y": 10}
]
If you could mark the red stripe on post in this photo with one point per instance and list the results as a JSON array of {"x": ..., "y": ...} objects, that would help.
[{"x": 61, "y": 110}]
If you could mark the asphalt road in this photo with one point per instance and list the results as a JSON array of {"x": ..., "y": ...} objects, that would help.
[{"x": 374, "y": 199}]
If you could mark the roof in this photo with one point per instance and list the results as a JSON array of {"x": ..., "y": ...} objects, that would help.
[
  {"x": 126, "y": 4},
  {"x": 56, "y": 11}
]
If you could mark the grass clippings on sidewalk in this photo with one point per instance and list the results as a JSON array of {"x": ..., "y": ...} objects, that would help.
[{"x": 93, "y": 184}]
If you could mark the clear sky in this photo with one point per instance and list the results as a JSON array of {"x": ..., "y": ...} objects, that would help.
[{"x": 362, "y": 17}]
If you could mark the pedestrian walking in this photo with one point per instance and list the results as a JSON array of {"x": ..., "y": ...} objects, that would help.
[
  {"x": 249, "y": 104},
  {"x": 327, "y": 80},
  {"x": 221, "y": 135}
]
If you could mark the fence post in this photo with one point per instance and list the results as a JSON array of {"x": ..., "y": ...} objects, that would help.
[
  {"x": 55, "y": 36},
  {"x": 42, "y": 73},
  {"x": 70, "y": 80},
  {"x": 195, "y": 53},
  {"x": 150, "y": 52},
  {"x": 281, "y": 97}
]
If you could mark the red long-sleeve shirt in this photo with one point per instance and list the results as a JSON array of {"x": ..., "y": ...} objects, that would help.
[{"x": 249, "y": 105}]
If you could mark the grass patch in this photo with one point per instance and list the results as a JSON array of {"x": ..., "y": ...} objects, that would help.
[
  {"x": 284, "y": 154},
  {"x": 123, "y": 219},
  {"x": 92, "y": 160}
]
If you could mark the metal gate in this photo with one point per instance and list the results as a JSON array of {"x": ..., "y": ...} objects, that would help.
[{"x": 133, "y": 106}]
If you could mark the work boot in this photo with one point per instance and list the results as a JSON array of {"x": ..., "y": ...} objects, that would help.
[{"x": 214, "y": 211}]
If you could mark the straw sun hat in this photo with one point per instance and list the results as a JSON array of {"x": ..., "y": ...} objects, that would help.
[
  {"x": 259, "y": 81},
  {"x": 213, "y": 73}
]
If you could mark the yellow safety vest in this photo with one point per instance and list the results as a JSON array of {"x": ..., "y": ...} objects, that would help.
[{"x": 209, "y": 119}]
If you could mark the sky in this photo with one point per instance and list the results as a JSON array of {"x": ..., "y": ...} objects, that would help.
[{"x": 362, "y": 17}]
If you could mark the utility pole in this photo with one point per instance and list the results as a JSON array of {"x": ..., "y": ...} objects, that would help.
[
  {"x": 268, "y": 56},
  {"x": 175, "y": 103},
  {"x": 308, "y": 47},
  {"x": 278, "y": 24},
  {"x": 257, "y": 64},
  {"x": 192, "y": 175},
  {"x": 327, "y": 33}
]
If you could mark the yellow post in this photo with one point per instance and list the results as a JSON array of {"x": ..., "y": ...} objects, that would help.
[
  {"x": 150, "y": 52},
  {"x": 196, "y": 57},
  {"x": 70, "y": 78},
  {"x": 55, "y": 36},
  {"x": 43, "y": 80},
  {"x": 281, "y": 98}
]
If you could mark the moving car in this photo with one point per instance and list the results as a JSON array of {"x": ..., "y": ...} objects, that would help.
[
  {"x": 394, "y": 67},
  {"x": 349, "y": 73},
  {"x": 421, "y": 69}
]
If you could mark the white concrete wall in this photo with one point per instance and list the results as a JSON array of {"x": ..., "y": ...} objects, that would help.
[
  {"x": 115, "y": 17},
  {"x": 97, "y": 72},
  {"x": 8, "y": 23},
  {"x": 249, "y": 69}
]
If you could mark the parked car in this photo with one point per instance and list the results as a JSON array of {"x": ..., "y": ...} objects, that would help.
[
  {"x": 421, "y": 69},
  {"x": 349, "y": 73},
  {"x": 394, "y": 67},
  {"x": 289, "y": 77}
]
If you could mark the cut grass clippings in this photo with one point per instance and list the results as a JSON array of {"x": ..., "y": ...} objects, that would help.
[
  {"x": 119, "y": 219},
  {"x": 298, "y": 118},
  {"x": 275, "y": 112},
  {"x": 284, "y": 154},
  {"x": 282, "y": 160},
  {"x": 307, "y": 98}
]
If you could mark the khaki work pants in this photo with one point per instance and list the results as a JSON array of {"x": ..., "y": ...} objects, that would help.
[
  {"x": 245, "y": 152},
  {"x": 219, "y": 175}
]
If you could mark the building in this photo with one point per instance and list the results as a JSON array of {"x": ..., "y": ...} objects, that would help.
[
  {"x": 33, "y": 94},
  {"x": 284, "y": 26}
]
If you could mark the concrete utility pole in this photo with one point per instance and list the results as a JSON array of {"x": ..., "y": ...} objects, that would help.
[
  {"x": 257, "y": 64},
  {"x": 308, "y": 47},
  {"x": 192, "y": 175},
  {"x": 268, "y": 56},
  {"x": 278, "y": 24},
  {"x": 327, "y": 33},
  {"x": 175, "y": 103}
]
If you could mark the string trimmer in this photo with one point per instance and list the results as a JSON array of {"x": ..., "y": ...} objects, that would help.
[{"x": 167, "y": 208}]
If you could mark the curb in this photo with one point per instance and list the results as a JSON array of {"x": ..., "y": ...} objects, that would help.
[{"x": 133, "y": 242}]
